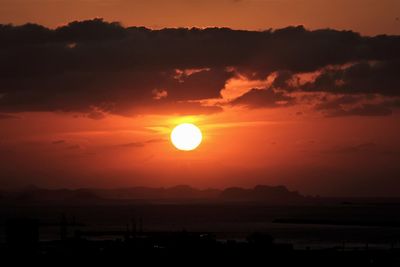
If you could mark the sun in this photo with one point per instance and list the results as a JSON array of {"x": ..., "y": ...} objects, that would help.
[{"x": 186, "y": 136}]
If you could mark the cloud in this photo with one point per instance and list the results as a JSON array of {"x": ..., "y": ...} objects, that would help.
[
  {"x": 58, "y": 142},
  {"x": 337, "y": 103},
  {"x": 141, "y": 144},
  {"x": 363, "y": 110},
  {"x": 379, "y": 77},
  {"x": 4, "y": 116},
  {"x": 133, "y": 144},
  {"x": 363, "y": 147},
  {"x": 75, "y": 146},
  {"x": 96, "y": 113},
  {"x": 96, "y": 68},
  {"x": 356, "y": 105},
  {"x": 263, "y": 98}
]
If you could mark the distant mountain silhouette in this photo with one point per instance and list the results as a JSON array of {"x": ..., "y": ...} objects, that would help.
[
  {"x": 260, "y": 193},
  {"x": 40, "y": 195},
  {"x": 263, "y": 193},
  {"x": 147, "y": 193}
]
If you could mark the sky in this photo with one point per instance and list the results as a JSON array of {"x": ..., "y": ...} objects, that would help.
[
  {"x": 297, "y": 93},
  {"x": 369, "y": 17}
]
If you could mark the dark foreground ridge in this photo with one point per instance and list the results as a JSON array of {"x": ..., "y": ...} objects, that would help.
[
  {"x": 133, "y": 245},
  {"x": 267, "y": 225}
]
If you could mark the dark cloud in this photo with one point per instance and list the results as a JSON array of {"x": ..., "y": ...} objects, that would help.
[
  {"x": 363, "y": 147},
  {"x": 364, "y": 77},
  {"x": 96, "y": 114},
  {"x": 394, "y": 103},
  {"x": 263, "y": 98},
  {"x": 141, "y": 144},
  {"x": 4, "y": 116},
  {"x": 58, "y": 142},
  {"x": 282, "y": 79},
  {"x": 133, "y": 144},
  {"x": 363, "y": 110},
  {"x": 337, "y": 103},
  {"x": 98, "y": 68},
  {"x": 356, "y": 105},
  {"x": 65, "y": 144},
  {"x": 73, "y": 147}
]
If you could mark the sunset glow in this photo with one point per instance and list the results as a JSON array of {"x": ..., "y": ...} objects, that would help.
[
  {"x": 113, "y": 93},
  {"x": 195, "y": 130}
]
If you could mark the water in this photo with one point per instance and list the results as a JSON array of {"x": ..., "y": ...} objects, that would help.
[{"x": 226, "y": 221}]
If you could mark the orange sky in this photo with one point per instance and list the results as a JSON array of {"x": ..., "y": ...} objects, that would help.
[
  {"x": 92, "y": 104},
  {"x": 312, "y": 154}
]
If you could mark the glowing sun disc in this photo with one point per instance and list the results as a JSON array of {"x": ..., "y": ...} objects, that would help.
[{"x": 186, "y": 136}]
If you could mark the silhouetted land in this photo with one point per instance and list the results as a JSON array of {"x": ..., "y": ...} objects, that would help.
[
  {"x": 181, "y": 193},
  {"x": 271, "y": 225}
]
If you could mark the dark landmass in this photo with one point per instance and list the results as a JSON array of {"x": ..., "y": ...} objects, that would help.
[
  {"x": 267, "y": 224},
  {"x": 368, "y": 223},
  {"x": 263, "y": 193},
  {"x": 181, "y": 193},
  {"x": 183, "y": 219},
  {"x": 132, "y": 246},
  {"x": 260, "y": 194}
]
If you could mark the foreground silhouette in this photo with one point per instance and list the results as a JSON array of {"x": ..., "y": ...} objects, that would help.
[
  {"x": 262, "y": 225},
  {"x": 134, "y": 245}
]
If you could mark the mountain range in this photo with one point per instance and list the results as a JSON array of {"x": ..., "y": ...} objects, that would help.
[{"x": 180, "y": 193}]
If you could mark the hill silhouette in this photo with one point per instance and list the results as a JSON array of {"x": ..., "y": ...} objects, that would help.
[
  {"x": 263, "y": 193},
  {"x": 260, "y": 193}
]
